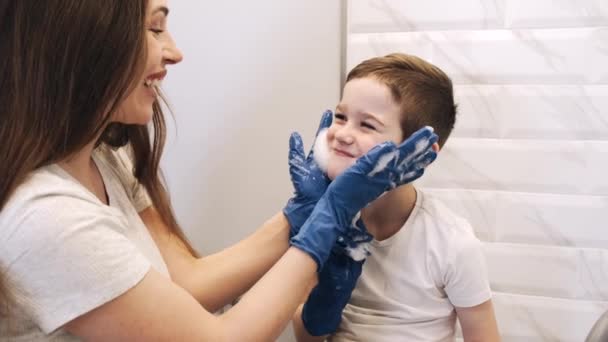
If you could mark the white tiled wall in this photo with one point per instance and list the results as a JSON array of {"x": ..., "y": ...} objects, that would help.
[{"x": 527, "y": 163}]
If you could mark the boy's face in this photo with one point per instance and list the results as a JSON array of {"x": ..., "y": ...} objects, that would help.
[{"x": 366, "y": 116}]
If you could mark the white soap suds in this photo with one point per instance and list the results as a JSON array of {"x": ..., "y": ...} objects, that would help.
[
  {"x": 321, "y": 150},
  {"x": 360, "y": 252},
  {"x": 383, "y": 162},
  {"x": 419, "y": 148}
]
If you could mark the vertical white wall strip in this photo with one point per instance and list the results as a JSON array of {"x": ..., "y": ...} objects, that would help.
[
  {"x": 253, "y": 72},
  {"x": 528, "y": 159},
  {"x": 343, "y": 41}
]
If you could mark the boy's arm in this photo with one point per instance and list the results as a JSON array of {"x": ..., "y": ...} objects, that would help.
[
  {"x": 478, "y": 323},
  {"x": 300, "y": 332}
]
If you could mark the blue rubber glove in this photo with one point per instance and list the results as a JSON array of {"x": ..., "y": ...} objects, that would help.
[
  {"x": 309, "y": 181},
  {"x": 384, "y": 167},
  {"x": 322, "y": 311}
]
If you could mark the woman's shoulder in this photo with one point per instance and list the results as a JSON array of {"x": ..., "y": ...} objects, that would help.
[
  {"x": 46, "y": 186},
  {"x": 48, "y": 197}
]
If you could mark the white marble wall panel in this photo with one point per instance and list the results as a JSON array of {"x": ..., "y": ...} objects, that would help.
[
  {"x": 560, "y": 167},
  {"x": 367, "y": 16},
  {"x": 556, "y": 56},
  {"x": 569, "y": 273},
  {"x": 531, "y": 218},
  {"x": 565, "y": 112},
  {"x": 555, "y": 13},
  {"x": 535, "y": 318}
]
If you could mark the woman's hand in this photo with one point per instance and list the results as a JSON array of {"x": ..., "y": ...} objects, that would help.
[
  {"x": 384, "y": 167},
  {"x": 309, "y": 181}
]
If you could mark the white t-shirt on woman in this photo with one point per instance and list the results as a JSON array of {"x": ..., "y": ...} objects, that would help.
[{"x": 64, "y": 252}]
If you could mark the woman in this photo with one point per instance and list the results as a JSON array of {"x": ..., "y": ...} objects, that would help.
[{"x": 90, "y": 247}]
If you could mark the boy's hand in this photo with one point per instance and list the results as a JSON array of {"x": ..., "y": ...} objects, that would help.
[{"x": 309, "y": 181}]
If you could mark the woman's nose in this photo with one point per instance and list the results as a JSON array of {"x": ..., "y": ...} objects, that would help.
[{"x": 171, "y": 54}]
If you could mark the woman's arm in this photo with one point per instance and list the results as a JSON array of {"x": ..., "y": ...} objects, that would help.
[
  {"x": 478, "y": 323},
  {"x": 157, "y": 309},
  {"x": 237, "y": 268}
]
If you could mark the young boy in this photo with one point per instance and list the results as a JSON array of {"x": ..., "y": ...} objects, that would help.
[{"x": 426, "y": 267}]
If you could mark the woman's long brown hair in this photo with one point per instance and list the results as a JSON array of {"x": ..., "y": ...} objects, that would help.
[{"x": 65, "y": 66}]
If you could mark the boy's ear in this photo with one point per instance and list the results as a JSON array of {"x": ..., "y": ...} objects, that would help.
[{"x": 436, "y": 147}]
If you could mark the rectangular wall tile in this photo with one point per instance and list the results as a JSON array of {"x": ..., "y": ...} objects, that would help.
[
  {"x": 531, "y": 218},
  {"x": 530, "y": 318},
  {"x": 555, "y": 13},
  {"x": 559, "y": 56},
  {"x": 563, "y": 112},
  {"x": 569, "y": 273},
  {"x": 577, "y": 167},
  {"x": 413, "y": 15}
]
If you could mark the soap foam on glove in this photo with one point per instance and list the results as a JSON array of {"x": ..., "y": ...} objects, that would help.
[{"x": 321, "y": 150}]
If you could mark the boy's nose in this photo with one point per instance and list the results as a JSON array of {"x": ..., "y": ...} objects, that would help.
[{"x": 344, "y": 135}]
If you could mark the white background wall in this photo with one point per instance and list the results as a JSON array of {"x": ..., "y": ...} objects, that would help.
[{"x": 253, "y": 72}]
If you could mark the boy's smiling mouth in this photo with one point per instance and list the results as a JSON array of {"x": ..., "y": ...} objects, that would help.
[{"x": 342, "y": 153}]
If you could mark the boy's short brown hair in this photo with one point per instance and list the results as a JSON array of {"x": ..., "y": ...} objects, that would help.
[{"x": 422, "y": 90}]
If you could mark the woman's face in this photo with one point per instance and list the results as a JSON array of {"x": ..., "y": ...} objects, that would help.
[{"x": 137, "y": 107}]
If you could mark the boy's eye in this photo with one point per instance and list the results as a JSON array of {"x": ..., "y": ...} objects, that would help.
[
  {"x": 340, "y": 117},
  {"x": 368, "y": 126}
]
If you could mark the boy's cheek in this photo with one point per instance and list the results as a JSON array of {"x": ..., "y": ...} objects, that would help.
[
  {"x": 336, "y": 166},
  {"x": 333, "y": 172}
]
